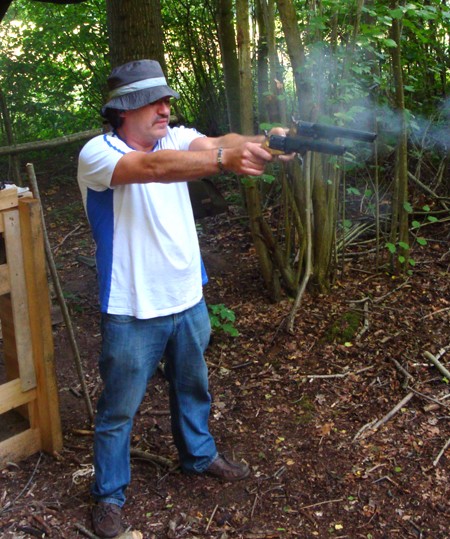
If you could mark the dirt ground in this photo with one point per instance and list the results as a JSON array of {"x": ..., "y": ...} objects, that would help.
[{"x": 300, "y": 408}]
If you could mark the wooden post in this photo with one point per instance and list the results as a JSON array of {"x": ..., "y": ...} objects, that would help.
[{"x": 40, "y": 324}]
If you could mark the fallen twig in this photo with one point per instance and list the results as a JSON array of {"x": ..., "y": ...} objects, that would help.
[
  {"x": 8, "y": 506},
  {"x": 431, "y": 399},
  {"x": 441, "y": 452},
  {"x": 363, "y": 429},
  {"x": 366, "y": 323},
  {"x": 61, "y": 243},
  {"x": 386, "y": 478},
  {"x": 151, "y": 411},
  {"x": 374, "y": 425},
  {"x": 321, "y": 503},
  {"x": 437, "y": 364},
  {"x": 381, "y": 298},
  {"x": 429, "y": 315},
  {"x": 394, "y": 410},
  {"x": 85, "y": 531},
  {"x": 402, "y": 371},
  {"x": 157, "y": 459},
  {"x": 210, "y": 518},
  {"x": 338, "y": 375}
]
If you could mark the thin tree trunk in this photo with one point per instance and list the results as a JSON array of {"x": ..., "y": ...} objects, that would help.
[
  {"x": 402, "y": 149},
  {"x": 14, "y": 162},
  {"x": 252, "y": 189},
  {"x": 227, "y": 40}
]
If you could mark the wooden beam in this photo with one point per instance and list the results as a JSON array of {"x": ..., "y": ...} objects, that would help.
[
  {"x": 42, "y": 145},
  {"x": 19, "y": 447},
  {"x": 12, "y": 396}
]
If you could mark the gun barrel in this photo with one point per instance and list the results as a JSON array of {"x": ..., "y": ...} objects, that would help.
[
  {"x": 299, "y": 145},
  {"x": 309, "y": 129}
]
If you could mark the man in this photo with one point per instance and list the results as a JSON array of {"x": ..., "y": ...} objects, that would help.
[{"x": 133, "y": 184}]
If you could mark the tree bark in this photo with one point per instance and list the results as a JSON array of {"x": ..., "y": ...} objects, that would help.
[
  {"x": 135, "y": 31},
  {"x": 14, "y": 163},
  {"x": 227, "y": 40},
  {"x": 253, "y": 198}
]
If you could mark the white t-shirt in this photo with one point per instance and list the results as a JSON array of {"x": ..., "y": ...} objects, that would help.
[{"x": 148, "y": 257}]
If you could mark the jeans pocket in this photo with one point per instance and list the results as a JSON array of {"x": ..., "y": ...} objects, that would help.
[{"x": 117, "y": 318}]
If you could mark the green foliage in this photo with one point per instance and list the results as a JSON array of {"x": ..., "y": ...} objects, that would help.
[
  {"x": 401, "y": 249},
  {"x": 222, "y": 319},
  {"x": 53, "y": 67},
  {"x": 194, "y": 62}
]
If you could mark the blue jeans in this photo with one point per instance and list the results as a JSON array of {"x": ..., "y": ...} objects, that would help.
[{"x": 131, "y": 351}]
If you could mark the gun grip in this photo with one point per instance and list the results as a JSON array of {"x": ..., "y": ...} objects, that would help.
[{"x": 275, "y": 144}]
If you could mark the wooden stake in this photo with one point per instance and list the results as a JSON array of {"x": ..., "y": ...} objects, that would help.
[{"x": 60, "y": 296}]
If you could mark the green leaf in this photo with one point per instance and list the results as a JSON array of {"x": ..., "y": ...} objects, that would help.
[
  {"x": 415, "y": 224},
  {"x": 403, "y": 245},
  {"x": 268, "y": 178},
  {"x": 391, "y": 247},
  {"x": 230, "y": 329},
  {"x": 426, "y": 208},
  {"x": 422, "y": 241},
  {"x": 396, "y": 13},
  {"x": 411, "y": 262},
  {"x": 390, "y": 43},
  {"x": 407, "y": 207},
  {"x": 432, "y": 218},
  {"x": 401, "y": 259}
]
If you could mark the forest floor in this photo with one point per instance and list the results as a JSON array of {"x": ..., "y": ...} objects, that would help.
[{"x": 299, "y": 407}]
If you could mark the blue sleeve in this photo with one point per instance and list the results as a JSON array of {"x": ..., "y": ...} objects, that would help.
[{"x": 204, "y": 274}]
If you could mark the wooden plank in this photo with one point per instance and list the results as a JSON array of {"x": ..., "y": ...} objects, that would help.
[
  {"x": 19, "y": 447},
  {"x": 8, "y": 198},
  {"x": 19, "y": 298},
  {"x": 12, "y": 396},
  {"x": 40, "y": 323},
  {"x": 4, "y": 279}
]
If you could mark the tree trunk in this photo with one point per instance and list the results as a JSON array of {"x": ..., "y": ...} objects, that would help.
[
  {"x": 135, "y": 31},
  {"x": 296, "y": 52},
  {"x": 227, "y": 39},
  {"x": 251, "y": 190},
  {"x": 402, "y": 232},
  {"x": 14, "y": 161}
]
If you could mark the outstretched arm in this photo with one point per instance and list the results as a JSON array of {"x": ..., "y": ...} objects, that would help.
[{"x": 240, "y": 154}]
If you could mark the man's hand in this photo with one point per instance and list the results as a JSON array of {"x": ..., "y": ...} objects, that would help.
[
  {"x": 250, "y": 159},
  {"x": 280, "y": 131}
]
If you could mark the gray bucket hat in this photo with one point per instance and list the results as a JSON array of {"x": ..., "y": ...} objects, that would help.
[{"x": 136, "y": 84}]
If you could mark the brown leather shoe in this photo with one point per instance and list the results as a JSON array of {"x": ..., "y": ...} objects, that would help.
[
  {"x": 106, "y": 519},
  {"x": 227, "y": 470}
]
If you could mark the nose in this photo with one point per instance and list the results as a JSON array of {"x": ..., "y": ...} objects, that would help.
[{"x": 163, "y": 106}]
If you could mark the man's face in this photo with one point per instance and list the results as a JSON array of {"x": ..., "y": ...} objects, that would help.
[{"x": 149, "y": 123}]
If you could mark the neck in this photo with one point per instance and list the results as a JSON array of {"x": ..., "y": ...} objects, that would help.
[{"x": 133, "y": 143}]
